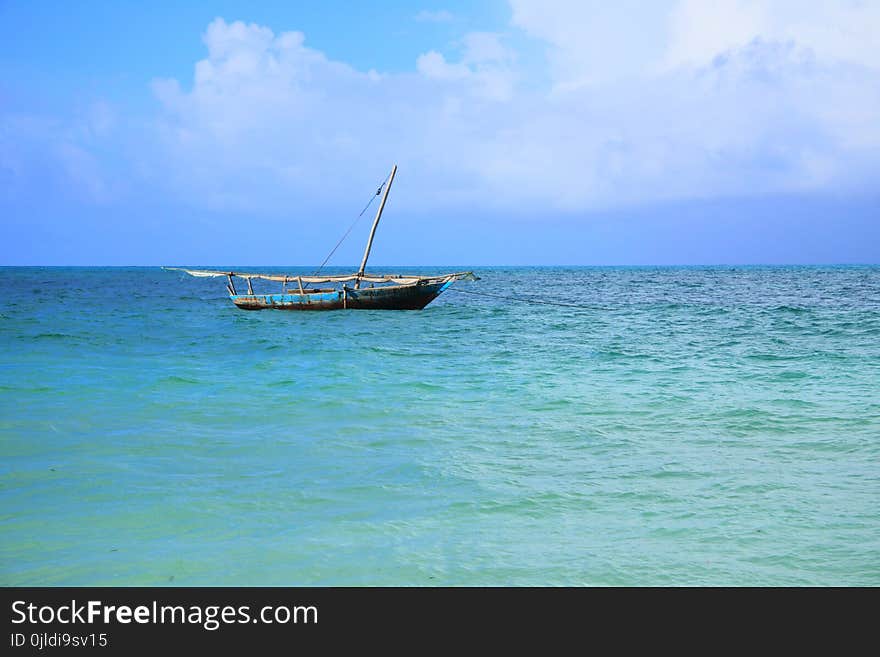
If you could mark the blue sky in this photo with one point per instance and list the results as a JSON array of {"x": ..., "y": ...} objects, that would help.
[{"x": 527, "y": 132}]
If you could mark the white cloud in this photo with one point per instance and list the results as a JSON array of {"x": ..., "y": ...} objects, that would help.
[
  {"x": 434, "y": 65},
  {"x": 678, "y": 100},
  {"x": 484, "y": 67},
  {"x": 269, "y": 120},
  {"x": 264, "y": 113},
  {"x": 843, "y": 31},
  {"x": 592, "y": 41},
  {"x": 484, "y": 47},
  {"x": 616, "y": 108},
  {"x": 699, "y": 31}
]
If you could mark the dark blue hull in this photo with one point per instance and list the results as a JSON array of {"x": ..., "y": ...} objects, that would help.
[{"x": 397, "y": 297}]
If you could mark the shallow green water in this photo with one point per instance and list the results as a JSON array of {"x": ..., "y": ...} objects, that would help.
[{"x": 685, "y": 426}]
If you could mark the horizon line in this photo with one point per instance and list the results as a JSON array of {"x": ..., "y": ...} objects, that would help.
[{"x": 484, "y": 266}]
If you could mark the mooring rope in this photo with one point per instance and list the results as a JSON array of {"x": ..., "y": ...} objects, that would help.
[
  {"x": 520, "y": 299},
  {"x": 342, "y": 239}
]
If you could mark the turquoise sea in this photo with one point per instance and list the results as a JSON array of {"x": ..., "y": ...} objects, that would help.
[{"x": 680, "y": 426}]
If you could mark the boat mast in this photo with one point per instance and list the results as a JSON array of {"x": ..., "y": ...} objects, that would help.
[{"x": 360, "y": 273}]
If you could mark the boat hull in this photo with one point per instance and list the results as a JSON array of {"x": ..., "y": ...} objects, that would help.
[{"x": 397, "y": 297}]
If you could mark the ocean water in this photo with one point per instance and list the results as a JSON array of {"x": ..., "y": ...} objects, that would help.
[{"x": 680, "y": 426}]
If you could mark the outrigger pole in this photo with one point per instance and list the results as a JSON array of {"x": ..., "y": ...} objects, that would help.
[{"x": 360, "y": 272}]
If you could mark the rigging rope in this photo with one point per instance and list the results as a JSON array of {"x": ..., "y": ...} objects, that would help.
[
  {"x": 342, "y": 239},
  {"x": 521, "y": 299},
  {"x": 372, "y": 198}
]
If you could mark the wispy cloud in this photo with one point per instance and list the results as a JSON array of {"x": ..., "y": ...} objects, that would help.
[
  {"x": 435, "y": 16},
  {"x": 77, "y": 158}
]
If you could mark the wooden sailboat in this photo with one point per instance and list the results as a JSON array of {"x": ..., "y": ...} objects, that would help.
[{"x": 354, "y": 291}]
